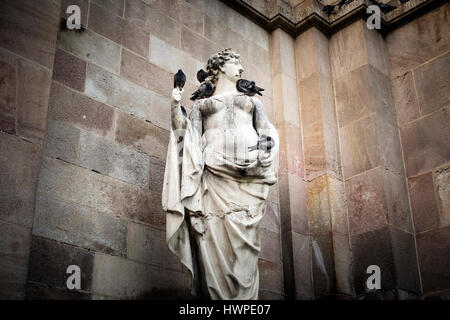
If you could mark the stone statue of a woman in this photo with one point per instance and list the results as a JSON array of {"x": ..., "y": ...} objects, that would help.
[{"x": 216, "y": 182}]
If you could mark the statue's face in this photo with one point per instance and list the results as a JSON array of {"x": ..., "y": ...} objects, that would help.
[{"x": 232, "y": 69}]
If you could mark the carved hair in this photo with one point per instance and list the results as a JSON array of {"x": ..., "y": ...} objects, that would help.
[{"x": 217, "y": 61}]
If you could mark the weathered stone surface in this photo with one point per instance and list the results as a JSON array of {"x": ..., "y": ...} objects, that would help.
[
  {"x": 390, "y": 150},
  {"x": 269, "y": 295},
  {"x": 148, "y": 245},
  {"x": 156, "y": 21},
  {"x": 434, "y": 259},
  {"x": 421, "y": 149},
  {"x": 61, "y": 141},
  {"x": 104, "y": 156},
  {"x": 14, "y": 250},
  {"x": 156, "y": 175},
  {"x": 135, "y": 39},
  {"x": 78, "y": 185},
  {"x": 105, "y": 23},
  {"x": 69, "y": 70},
  {"x": 433, "y": 84},
  {"x": 338, "y": 205},
  {"x": 396, "y": 197},
  {"x": 79, "y": 226},
  {"x": 142, "y": 136},
  {"x": 293, "y": 204},
  {"x": 33, "y": 87},
  {"x": 442, "y": 180},
  {"x": 323, "y": 264},
  {"x": 423, "y": 202},
  {"x": 291, "y": 154},
  {"x": 49, "y": 261},
  {"x": 376, "y": 50},
  {"x": 91, "y": 47},
  {"x": 418, "y": 41},
  {"x": 200, "y": 48},
  {"x": 405, "y": 98},
  {"x": 270, "y": 246},
  {"x": 114, "y": 6},
  {"x": 122, "y": 278},
  {"x": 66, "y": 105},
  {"x": 372, "y": 248},
  {"x": 366, "y": 202},
  {"x": 270, "y": 276},
  {"x": 20, "y": 161},
  {"x": 302, "y": 259},
  {"x": 360, "y": 147},
  {"x": 343, "y": 263},
  {"x": 29, "y": 30},
  {"x": 405, "y": 260},
  {"x": 285, "y": 100},
  {"x": 348, "y": 49},
  {"x": 8, "y": 79},
  {"x": 191, "y": 17},
  {"x": 37, "y": 291},
  {"x": 318, "y": 205},
  {"x": 271, "y": 220}
]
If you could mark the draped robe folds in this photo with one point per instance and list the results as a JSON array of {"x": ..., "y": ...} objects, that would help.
[{"x": 225, "y": 199}]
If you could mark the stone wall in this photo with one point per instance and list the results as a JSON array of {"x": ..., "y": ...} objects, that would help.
[{"x": 84, "y": 119}]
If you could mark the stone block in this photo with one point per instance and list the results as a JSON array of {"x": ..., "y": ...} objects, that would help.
[
  {"x": 366, "y": 202},
  {"x": 338, "y": 205},
  {"x": 80, "y": 111},
  {"x": 318, "y": 206},
  {"x": 156, "y": 175},
  {"x": 397, "y": 203},
  {"x": 423, "y": 202},
  {"x": 323, "y": 265},
  {"x": 271, "y": 220},
  {"x": 421, "y": 150},
  {"x": 105, "y": 23},
  {"x": 8, "y": 78},
  {"x": 106, "y": 157},
  {"x": 372, "y": 248},
  {"x": 405, "y": 260},
  {"x": 290, "y": 153},
  {"x": 390, "y": 149},
  {"x": 191, "y": 17},
  {"x": 293, "y": 204},
  {"x": 114, "y": 6},
  {"x": 433, "y": 84},
  {"x": 91, "y": 47},
  {"x": 29, "y": 30},
  {"x": 69, "y": 70},
  {"x": 376, "y": 51},
  {"x": 146, "y": 74},
  {"x": 198, "y": 47},
  {"x": 20, "y": 161},
  {"x": 33, "y": 88},
  {"x": 348, "y": 50},
  {"x": 433, "y": 248},
  {"x": 14, "y": 251},
  {"x": 302, "y": 266},
  {"x": 135, "y": 38},
  {"x": 360, "y": 146},
  {"x": 414, "y": 43},
  {"x": 314, "y": 150},
  {"x": 122, "y": 278},
  {"x": 285, "y": 100},
  {"x": 270, "y": 276},
  {"x": 441, "y": 177},
  {"x": 37, "y": 291},
  {"x": 79, "y": 226},
  {"x": 49, "y": 261},
  {"x": 270, "y": 246},
  {"x": 102, "y": 193},
  {"x": 343, "y": 263},
  {"x": 61, "y": 141},
  {"x": 405, "y": 98},
  {"x": 148, "y": 245},
  {"x": 269, "y": 295},
  {"x": 142, "y": 136},
  {"x": 154, "y": 21}
]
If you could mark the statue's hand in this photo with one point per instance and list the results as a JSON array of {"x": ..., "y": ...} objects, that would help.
[
  {"x": 177, "y": 94},
  {"x": 266, "y": 158}
]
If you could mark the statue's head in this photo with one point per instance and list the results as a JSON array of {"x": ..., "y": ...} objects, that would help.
[{"x": 226, "y": 63}]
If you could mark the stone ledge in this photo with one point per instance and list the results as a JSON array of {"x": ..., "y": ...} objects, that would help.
[{"x": 309, "y": 14}]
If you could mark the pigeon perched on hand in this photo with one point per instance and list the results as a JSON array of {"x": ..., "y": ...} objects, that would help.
[
  {"x": 264, "y": 143},
  {"x": 179, "y": 79},
  {"x": 206, "y": 90},
  {"x": 202, "y": 75},
  {"x": 248, "y": 87}
]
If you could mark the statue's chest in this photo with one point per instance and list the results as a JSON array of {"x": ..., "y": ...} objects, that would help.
[{"x": 227, "y": 104}]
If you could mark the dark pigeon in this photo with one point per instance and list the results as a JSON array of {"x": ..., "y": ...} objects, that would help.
[
  {"x": 265, "y": 143},
  {"x": 179, "y": 79},
  {"x": 248, "y": 87},
  {"x": 342, "y": 2},
  {"x": 202, "y": 75},
  {"x": 329, "y": 9},
  {"x": 205, "y": 91}
]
